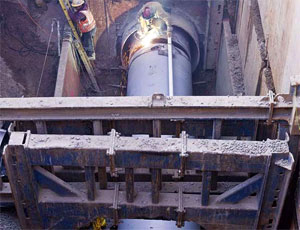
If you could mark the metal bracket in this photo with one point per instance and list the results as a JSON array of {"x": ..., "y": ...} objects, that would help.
[
  {"x": 11, "y": 128},
  {"x": 76, "y": 43},
  {"x": 287, "y": 163},
  {"x": 271, "y": 106},
  {"x": 183, "y": 155},
  {"x": 158, "y": 100},
  {"x": 112, "y": 153},
  {"x": 115, "y": 204},
  {"x": 180, "y": 210}
]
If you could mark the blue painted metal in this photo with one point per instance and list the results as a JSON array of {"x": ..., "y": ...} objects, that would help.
[
  {"x": 146, "y": 160},
  {"x": 297, "y": 205},
  {"x": 206, "y": 181},
  {"x": 2, "y": 135},
  {"x": 273, "y": 195},
  {"x": 90, "y": 182},
  {"x": 233, "y": 159},
  {"x": 47, "y": 180},
  {"x": 24, "y": 188},
  {"x": 2, "y": 168},
  {"x": 242, "y": 190},
  {"x": 41, "y": 208}
]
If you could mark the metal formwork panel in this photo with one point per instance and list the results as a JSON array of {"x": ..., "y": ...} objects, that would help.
[
  {"x": 149, "y": 108},
  {"x": 44, "y": 200},
  {"x": 296, "y": 221}
]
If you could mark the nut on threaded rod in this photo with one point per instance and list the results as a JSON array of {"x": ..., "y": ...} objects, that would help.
[
  {"x": 111, "y": 153},
  {"x": 183, "y": 155}
]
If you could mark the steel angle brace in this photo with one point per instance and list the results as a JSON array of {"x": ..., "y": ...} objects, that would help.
[
  {"x": 111, "y": 153},
  {"x": 272, "y": 103},
  {"x": 183, "y": 154}
]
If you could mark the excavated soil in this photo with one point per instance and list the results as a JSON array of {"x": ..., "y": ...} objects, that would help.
[
  {"x": 22, "y": 53},
  {"x": 8, "y": 86}
]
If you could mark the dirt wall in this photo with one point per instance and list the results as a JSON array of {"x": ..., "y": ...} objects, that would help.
[
  {"x": 8, "y": 86},
  {"x": 23, "y": 48}
]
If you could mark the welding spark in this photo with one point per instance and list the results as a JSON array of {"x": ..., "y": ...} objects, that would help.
[{"x": 146, "y": 41}]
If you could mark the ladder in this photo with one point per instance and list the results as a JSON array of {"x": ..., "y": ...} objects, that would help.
[{"x": 65, "y": 5}]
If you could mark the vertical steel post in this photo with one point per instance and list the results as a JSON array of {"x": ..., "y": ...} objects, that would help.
[
  {"x": 102, "y": 176},
  {"x": 156, "y": 173},
  {"x": 217, "y": 128},
  {"x": 90, "y": 182},
  {"x": 206, "y": 181},
  {"x": 41, "y": 128},
  {"x": 24, "y": 187},
  {"x": 1, "y": 183},
  {"x": 129, "y": 178}
]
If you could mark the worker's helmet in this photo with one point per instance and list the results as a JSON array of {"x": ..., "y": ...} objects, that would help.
[
  {"x": 77, "y": 3},
  {"x": 147, "y": 13}
]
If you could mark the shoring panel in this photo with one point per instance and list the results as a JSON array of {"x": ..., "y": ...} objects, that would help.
[{"x": 69, "y": 212}]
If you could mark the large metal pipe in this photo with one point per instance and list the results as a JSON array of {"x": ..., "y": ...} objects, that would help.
[
  {"x": 164, "y": 65},
  {"x": 149, "y": 69}
]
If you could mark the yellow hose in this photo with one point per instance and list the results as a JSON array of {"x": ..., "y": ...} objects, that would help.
[{"x": 99, "y": 223}]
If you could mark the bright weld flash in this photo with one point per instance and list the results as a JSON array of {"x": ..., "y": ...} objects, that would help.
[{"x": 146, "y": 41}]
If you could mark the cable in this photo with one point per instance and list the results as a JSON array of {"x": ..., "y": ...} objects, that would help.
[
  {"x": 44, "y": 64},
  {"x": 27, "y": 48},
  {"x": 28, "y": 14}
]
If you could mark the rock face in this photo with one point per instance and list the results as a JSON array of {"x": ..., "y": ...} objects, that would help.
[{"x": 8, "y": 86}]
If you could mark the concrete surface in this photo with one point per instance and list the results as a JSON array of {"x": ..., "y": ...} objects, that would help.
[
  {"x": 223, "y": 83},
  {"x": 250, "y": 55},
  {"x": 230, "y": 79},
  {"x": 280, "y": 21}
]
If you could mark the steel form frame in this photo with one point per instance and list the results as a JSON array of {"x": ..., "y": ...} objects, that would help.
[
  {"x": 149, "y": 108},
  {"x": 156, "y": 108},
  {"x": 39, "y": 207},
  {"x": 296, "y": 220}
]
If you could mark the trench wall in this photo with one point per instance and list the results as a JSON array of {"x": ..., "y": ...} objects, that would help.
[{"x": 279, "y": 33}]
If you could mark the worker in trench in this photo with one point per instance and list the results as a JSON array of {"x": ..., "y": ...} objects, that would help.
[
  {"x": 153, "y": 19},
  {"x": 84, "y": 18}
]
